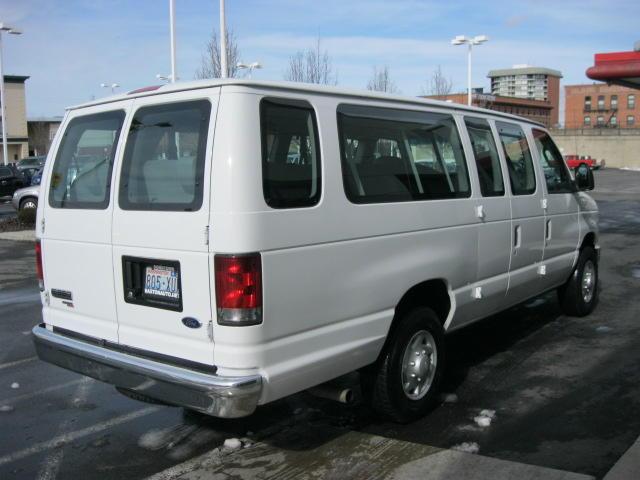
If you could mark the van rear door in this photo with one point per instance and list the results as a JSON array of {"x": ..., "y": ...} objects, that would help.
[
  {"x": 76, "y": 205},
  {"x": 160, "y": 226}
]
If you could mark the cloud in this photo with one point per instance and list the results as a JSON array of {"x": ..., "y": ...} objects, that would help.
[{"x": 515, "y": 20}]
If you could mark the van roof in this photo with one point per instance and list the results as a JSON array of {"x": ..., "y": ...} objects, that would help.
[{"x": 299, "y": 87}]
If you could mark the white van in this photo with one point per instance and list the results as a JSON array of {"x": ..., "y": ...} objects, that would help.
[{"x": 221, "y": 244}]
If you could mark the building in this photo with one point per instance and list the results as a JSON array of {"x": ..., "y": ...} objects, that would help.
[
  {"x": 599, "y": 105},
  {"x": 16, "y": 114},
  {"x": 41, "y": 133},
  {"x": 531, "y": 83},
  {"x": 617, "y": 68},
  {"x": 536, "y": 110}
]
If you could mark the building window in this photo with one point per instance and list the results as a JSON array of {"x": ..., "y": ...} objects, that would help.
[
  {"x": 587, "y": 103},
  {"x": 631, "y": 101},
  {"x": 600, "y": 121},
  {"x": 631, "y": 121},
  {"x": 614, "y": 121},
  {"x": 600, "y": 102},
  {"x": 614, "y": 102},
  {"x": 587, "y": 121}
]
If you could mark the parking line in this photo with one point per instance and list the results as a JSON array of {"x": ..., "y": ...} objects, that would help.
[
  {"x": 67, "y": 438},
  {"x": 27, "y": 396},
  {"x": 17, "y": 362}
]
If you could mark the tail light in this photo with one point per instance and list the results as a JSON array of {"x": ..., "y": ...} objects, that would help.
[
  {"x": 238, "y": 280},
  {"x": 39, "y": 271}
]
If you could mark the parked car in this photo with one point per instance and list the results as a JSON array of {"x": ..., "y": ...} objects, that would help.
[
  {"x": 10, "y": 180},
  {"x": 574, "y": 161},
  {"x": 37, "y": 177},
  {"x": 221, "y": 275},
  {"x": 31, "y": 162},
  {"x": 26, "y": 197}
]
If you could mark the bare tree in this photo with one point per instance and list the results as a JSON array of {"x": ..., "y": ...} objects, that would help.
[
  {"x": 381, "y": 81},
  {"x": 210, "y": 66},
  {"x": 311, "y": 66},
  {"x": 39, "y": 140},
  {"x": 439, "y": 85}
]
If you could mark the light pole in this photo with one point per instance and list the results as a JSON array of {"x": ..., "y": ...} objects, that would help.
[
  {"x": 470, "y": 42},
  {"x": 3, "y": 114},
  {"x": 248, "y": 66},
  {"x": 223, "y": 42},
  {"x": 172, "y": 22},
  {"x": 113, "y": 86}
]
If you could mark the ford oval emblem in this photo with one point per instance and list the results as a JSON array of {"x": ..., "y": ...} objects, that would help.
[{"x": 191, "y": 322}]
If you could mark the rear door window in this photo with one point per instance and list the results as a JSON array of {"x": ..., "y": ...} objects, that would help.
[
  {"x": 291, "y": 175},
  {"x": 81, "y": 175},
  {"x": 163, "y": 166},
  {"x": 486, "y": 155},
  {"x": 555, "y": 170},
  {"x": 516, "y": 151}
]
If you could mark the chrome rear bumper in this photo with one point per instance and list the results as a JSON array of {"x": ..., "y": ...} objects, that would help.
[{"x": 226, "y": 397}]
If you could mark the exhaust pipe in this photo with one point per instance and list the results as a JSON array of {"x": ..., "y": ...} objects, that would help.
[{"x": 334, "y": 392}]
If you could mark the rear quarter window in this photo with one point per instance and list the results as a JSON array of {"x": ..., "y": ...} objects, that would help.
[
  {"x": 163, "y": 165},
  {"x": 81, "y": 174},
  {"x": 291, "y": 175}
]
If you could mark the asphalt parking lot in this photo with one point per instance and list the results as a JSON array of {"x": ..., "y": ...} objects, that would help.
[{"x": 565, "y": 391}]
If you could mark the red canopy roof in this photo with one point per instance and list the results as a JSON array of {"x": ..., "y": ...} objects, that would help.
[{"x": 619, "y": 68}]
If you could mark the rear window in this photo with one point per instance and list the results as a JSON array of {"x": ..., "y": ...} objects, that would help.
[
  {"x": 81, "y": 175},
  {"x": 395, "y": 155},
  {"x": 163, "y": 166},
  {"x": 290, "y": 155}
]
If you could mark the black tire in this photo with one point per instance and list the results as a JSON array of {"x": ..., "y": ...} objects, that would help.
[
  {"x": 571, "y": 296},
  {"x": 383, "y": 381},
  {"x": 26, "y": 203}
]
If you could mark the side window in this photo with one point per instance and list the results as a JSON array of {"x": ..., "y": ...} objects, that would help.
[
  {"x": 487, "y": 158},
  {"x": 163, "y": 166},
  {"x": 555, "y": 170},
  {"x": 395, "y": 155},
  {"x": 291, "y": 174},
  {"x": 522, "y": 175},
  {"x": 81, "y": 175}
]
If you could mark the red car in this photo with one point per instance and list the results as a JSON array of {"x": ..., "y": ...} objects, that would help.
[{"x": 574, "y": 161}]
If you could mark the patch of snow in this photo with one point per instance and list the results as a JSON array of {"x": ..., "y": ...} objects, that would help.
[
  {"x": 485, "y": 418},
  {"x": 488, "y": 413},
  {"x": 633, "y": 169},
  {"x": 449, "y": 398},
  {"x": 6, "y": 408},
  {"x": 232, "y": 444},
  {"x": 15, "y": 385},
  {"x": 603, "y": 329},
  {"x": 467, "y": 447}
]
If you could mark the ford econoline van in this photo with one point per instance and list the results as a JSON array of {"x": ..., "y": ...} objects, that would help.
[{"x": 218, "y": 245}]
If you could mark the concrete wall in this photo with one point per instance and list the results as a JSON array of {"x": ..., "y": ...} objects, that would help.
[{"x": 619, "y": 147}]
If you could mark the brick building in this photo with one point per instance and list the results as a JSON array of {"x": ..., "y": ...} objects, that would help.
[
  {"x": 530, "y": 83},
  {"x": 599, "y": 105},
  {"x": 537, "y": 110}
]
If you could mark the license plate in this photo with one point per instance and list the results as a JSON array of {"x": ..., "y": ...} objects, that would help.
[{"x": 161, "y": 281}]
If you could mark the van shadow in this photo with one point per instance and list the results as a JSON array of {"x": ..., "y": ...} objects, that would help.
[{"x": 304, "y": 422}]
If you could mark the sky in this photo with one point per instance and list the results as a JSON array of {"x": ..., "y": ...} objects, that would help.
[{"x": 70, "y": 47}]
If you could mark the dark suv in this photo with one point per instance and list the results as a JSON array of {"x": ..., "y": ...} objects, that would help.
[{"x": 10, "y": 180}]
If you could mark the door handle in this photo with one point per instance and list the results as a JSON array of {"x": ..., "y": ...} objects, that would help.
[
  {"x": 480, "y": 212},
  {"x": 517, "y": 237},
  {"x": 547, "y": 235}
]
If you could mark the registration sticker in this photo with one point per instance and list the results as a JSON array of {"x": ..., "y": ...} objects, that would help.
[{"x": 161, "y": 281}]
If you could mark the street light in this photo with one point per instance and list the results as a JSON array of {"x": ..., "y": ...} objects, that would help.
[
  {"x": 3, "y": 114},
  {"x": 462, "y": 40},
  {"x": 249, "y": 66},
  {"x": 172, "y": 31},
  {"x": 113, "y": 86}
]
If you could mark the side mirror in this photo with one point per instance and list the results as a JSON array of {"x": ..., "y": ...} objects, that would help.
[{"x": 584, "y": 178}]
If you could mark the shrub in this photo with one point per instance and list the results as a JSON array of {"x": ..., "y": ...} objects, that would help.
[{"x": 27, "y": 216}]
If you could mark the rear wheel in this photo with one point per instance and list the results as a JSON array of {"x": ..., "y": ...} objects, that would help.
[
  {"x": 579, "y": 295},
  {"x": 403, "y": 383}
]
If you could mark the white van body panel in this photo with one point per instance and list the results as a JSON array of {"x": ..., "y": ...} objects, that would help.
[
  {"x": 79, "y": 254},
  {"x": 332, "y": 273}
]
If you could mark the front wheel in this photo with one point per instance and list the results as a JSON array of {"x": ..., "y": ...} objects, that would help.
[
  {"x": 403, "y": 384},
  {"x": 579, "y": 295},
  {"x": 28, "y": 203}
]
